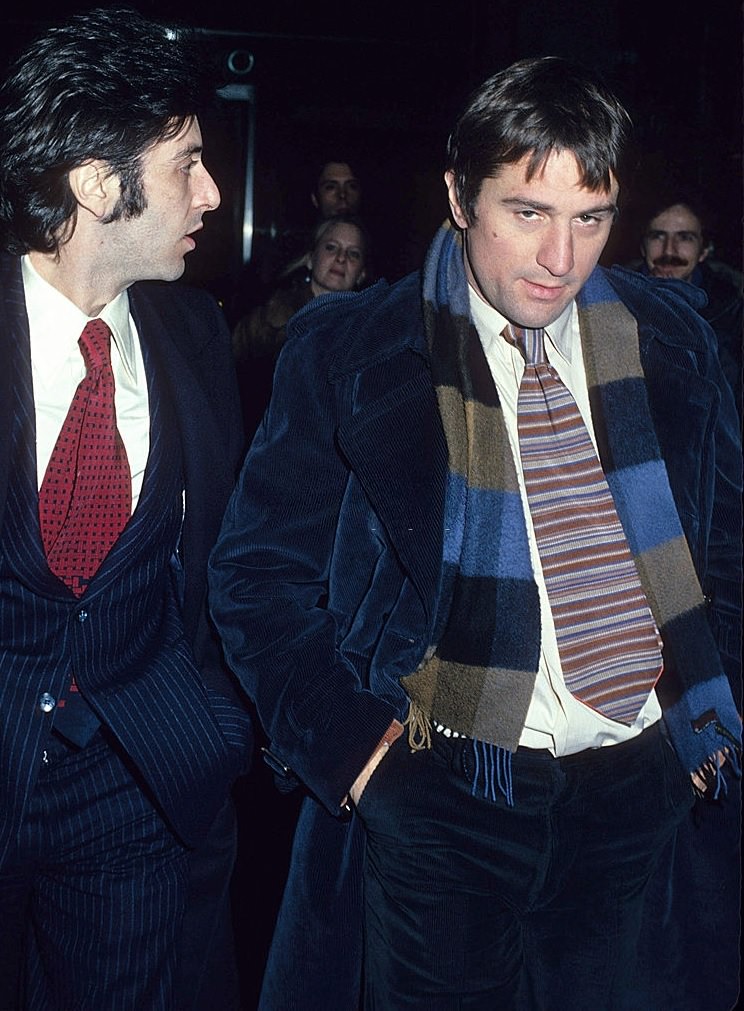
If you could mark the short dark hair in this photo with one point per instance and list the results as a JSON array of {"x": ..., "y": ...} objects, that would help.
[
  {"x": 536, "y": 107},
  {"x": 322, "y": 165},
  {"x": 673, "y": 197},
  {"x": 107, "y": 84}
]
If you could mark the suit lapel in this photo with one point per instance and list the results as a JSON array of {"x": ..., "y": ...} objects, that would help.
[
  {"x": 19, "y": 503},
  {"x": 161, "y": 484},
  {"x": 206, "y": 470},
  {"x": 13, "y": 336}
]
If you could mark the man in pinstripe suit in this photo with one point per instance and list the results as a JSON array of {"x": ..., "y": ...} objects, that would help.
[{"x": 114, "y": 806}]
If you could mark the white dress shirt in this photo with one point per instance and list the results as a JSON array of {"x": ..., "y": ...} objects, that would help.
[
  {"x": 57, "y": 367},
  {"x": 556, "y": 720}
]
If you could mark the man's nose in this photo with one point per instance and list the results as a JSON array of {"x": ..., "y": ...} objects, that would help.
[
  {"x": 208, "y": 194},
  {"x": 556, "y": 252}
]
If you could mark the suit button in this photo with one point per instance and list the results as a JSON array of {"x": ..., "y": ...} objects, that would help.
[
  {"x": 82, "y": 616},
  {"x": 47, "y": 702}
]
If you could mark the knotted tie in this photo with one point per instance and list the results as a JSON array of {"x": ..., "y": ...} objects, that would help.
[
  {"x": 85, "y": 498},
  {"x": 608, "y": 643}
]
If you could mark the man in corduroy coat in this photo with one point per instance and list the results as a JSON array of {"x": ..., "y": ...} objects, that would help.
[{"x": 484, "y": 812}]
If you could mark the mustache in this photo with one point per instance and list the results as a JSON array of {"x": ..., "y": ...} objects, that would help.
[{"x": 668, "y": 260}]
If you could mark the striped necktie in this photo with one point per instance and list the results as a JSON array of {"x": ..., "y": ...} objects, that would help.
[{"x": 608, "y": 643}]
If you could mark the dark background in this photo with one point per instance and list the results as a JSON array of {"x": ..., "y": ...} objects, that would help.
[{"x": 379, "y": 84}]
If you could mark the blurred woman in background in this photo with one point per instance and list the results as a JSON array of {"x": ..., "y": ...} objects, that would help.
[{"x": 336, "y": 262}]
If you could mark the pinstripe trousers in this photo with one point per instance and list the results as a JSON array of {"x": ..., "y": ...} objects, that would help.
[{"x": 94, "y": 890}]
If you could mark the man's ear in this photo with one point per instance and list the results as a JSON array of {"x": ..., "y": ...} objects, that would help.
[
  {"x": 457, "y": 212},
  {"x": 95, "y": 187},
  {"x": 314, "y": 200}
]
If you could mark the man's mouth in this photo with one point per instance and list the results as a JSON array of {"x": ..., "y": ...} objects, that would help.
[
  {"x": 190, "y": 236},
  {"x": 546, "y": 292}
]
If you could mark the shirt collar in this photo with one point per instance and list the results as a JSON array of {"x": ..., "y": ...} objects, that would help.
[
  {"x": 49, "y": 311},
  {"x": 562, "y": 332}
]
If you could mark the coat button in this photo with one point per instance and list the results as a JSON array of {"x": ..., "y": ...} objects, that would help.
[
  {"x": 47, "y": 702},
  {"x": 82, "y": 616}
]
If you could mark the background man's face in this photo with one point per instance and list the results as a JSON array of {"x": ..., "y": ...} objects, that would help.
[
  {"x": 673, "y": 244},
  {"x": 338, "y": 191},
  {"x": 533, "y": 243}
]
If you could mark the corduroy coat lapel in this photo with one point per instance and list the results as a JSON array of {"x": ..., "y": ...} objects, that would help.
[
  {"x": 399, "y": 482},
  {"x": 394, "y": 442}
]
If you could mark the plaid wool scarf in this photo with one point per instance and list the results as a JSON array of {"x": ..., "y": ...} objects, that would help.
[{"x": 478, "y": 676}]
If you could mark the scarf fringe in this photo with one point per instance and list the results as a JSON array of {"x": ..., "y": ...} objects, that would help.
[
  {"x": 713, "y": 769},
  {"x": 494, "y": 765},
  {"x": 419, "y": 728}
]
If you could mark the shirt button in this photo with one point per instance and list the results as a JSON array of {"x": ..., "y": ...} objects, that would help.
[
  {"x": 82, "y": 616},
  {"x": 47, "y": 702}
]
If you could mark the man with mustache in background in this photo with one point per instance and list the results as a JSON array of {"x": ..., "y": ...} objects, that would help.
[{"x": 677, "y": 244}]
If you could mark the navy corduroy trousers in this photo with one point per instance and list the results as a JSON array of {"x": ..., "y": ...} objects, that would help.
[{"x": 471, "y": 903}]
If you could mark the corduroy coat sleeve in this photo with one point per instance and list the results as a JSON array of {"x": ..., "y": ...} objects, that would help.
[{"x": 269, "y": 577}]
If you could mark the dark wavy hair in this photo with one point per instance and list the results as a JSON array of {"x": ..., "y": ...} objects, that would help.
[
  {"x": 535, "y": 107},
  {"x": 107, "y": 84}
]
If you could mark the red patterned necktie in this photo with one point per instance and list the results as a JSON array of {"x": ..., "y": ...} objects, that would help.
[
  {"x": 85, "y": 498},
  {"x": 608, "y": 643}
]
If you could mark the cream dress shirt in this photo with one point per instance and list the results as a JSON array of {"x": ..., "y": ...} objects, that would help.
[{"x": 556, "y": 720}]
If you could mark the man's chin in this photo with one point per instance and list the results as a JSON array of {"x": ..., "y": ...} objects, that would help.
[{"x": 173, "y": 272}]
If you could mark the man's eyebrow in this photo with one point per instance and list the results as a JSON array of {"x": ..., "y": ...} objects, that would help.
[
  {"x": 188, "y": 151},
  {"x": 536, "y": 205},
  {"x": 610, "y": 208}
]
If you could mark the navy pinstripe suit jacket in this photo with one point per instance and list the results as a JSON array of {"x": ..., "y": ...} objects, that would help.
[{"x": 142, "y": 650}]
